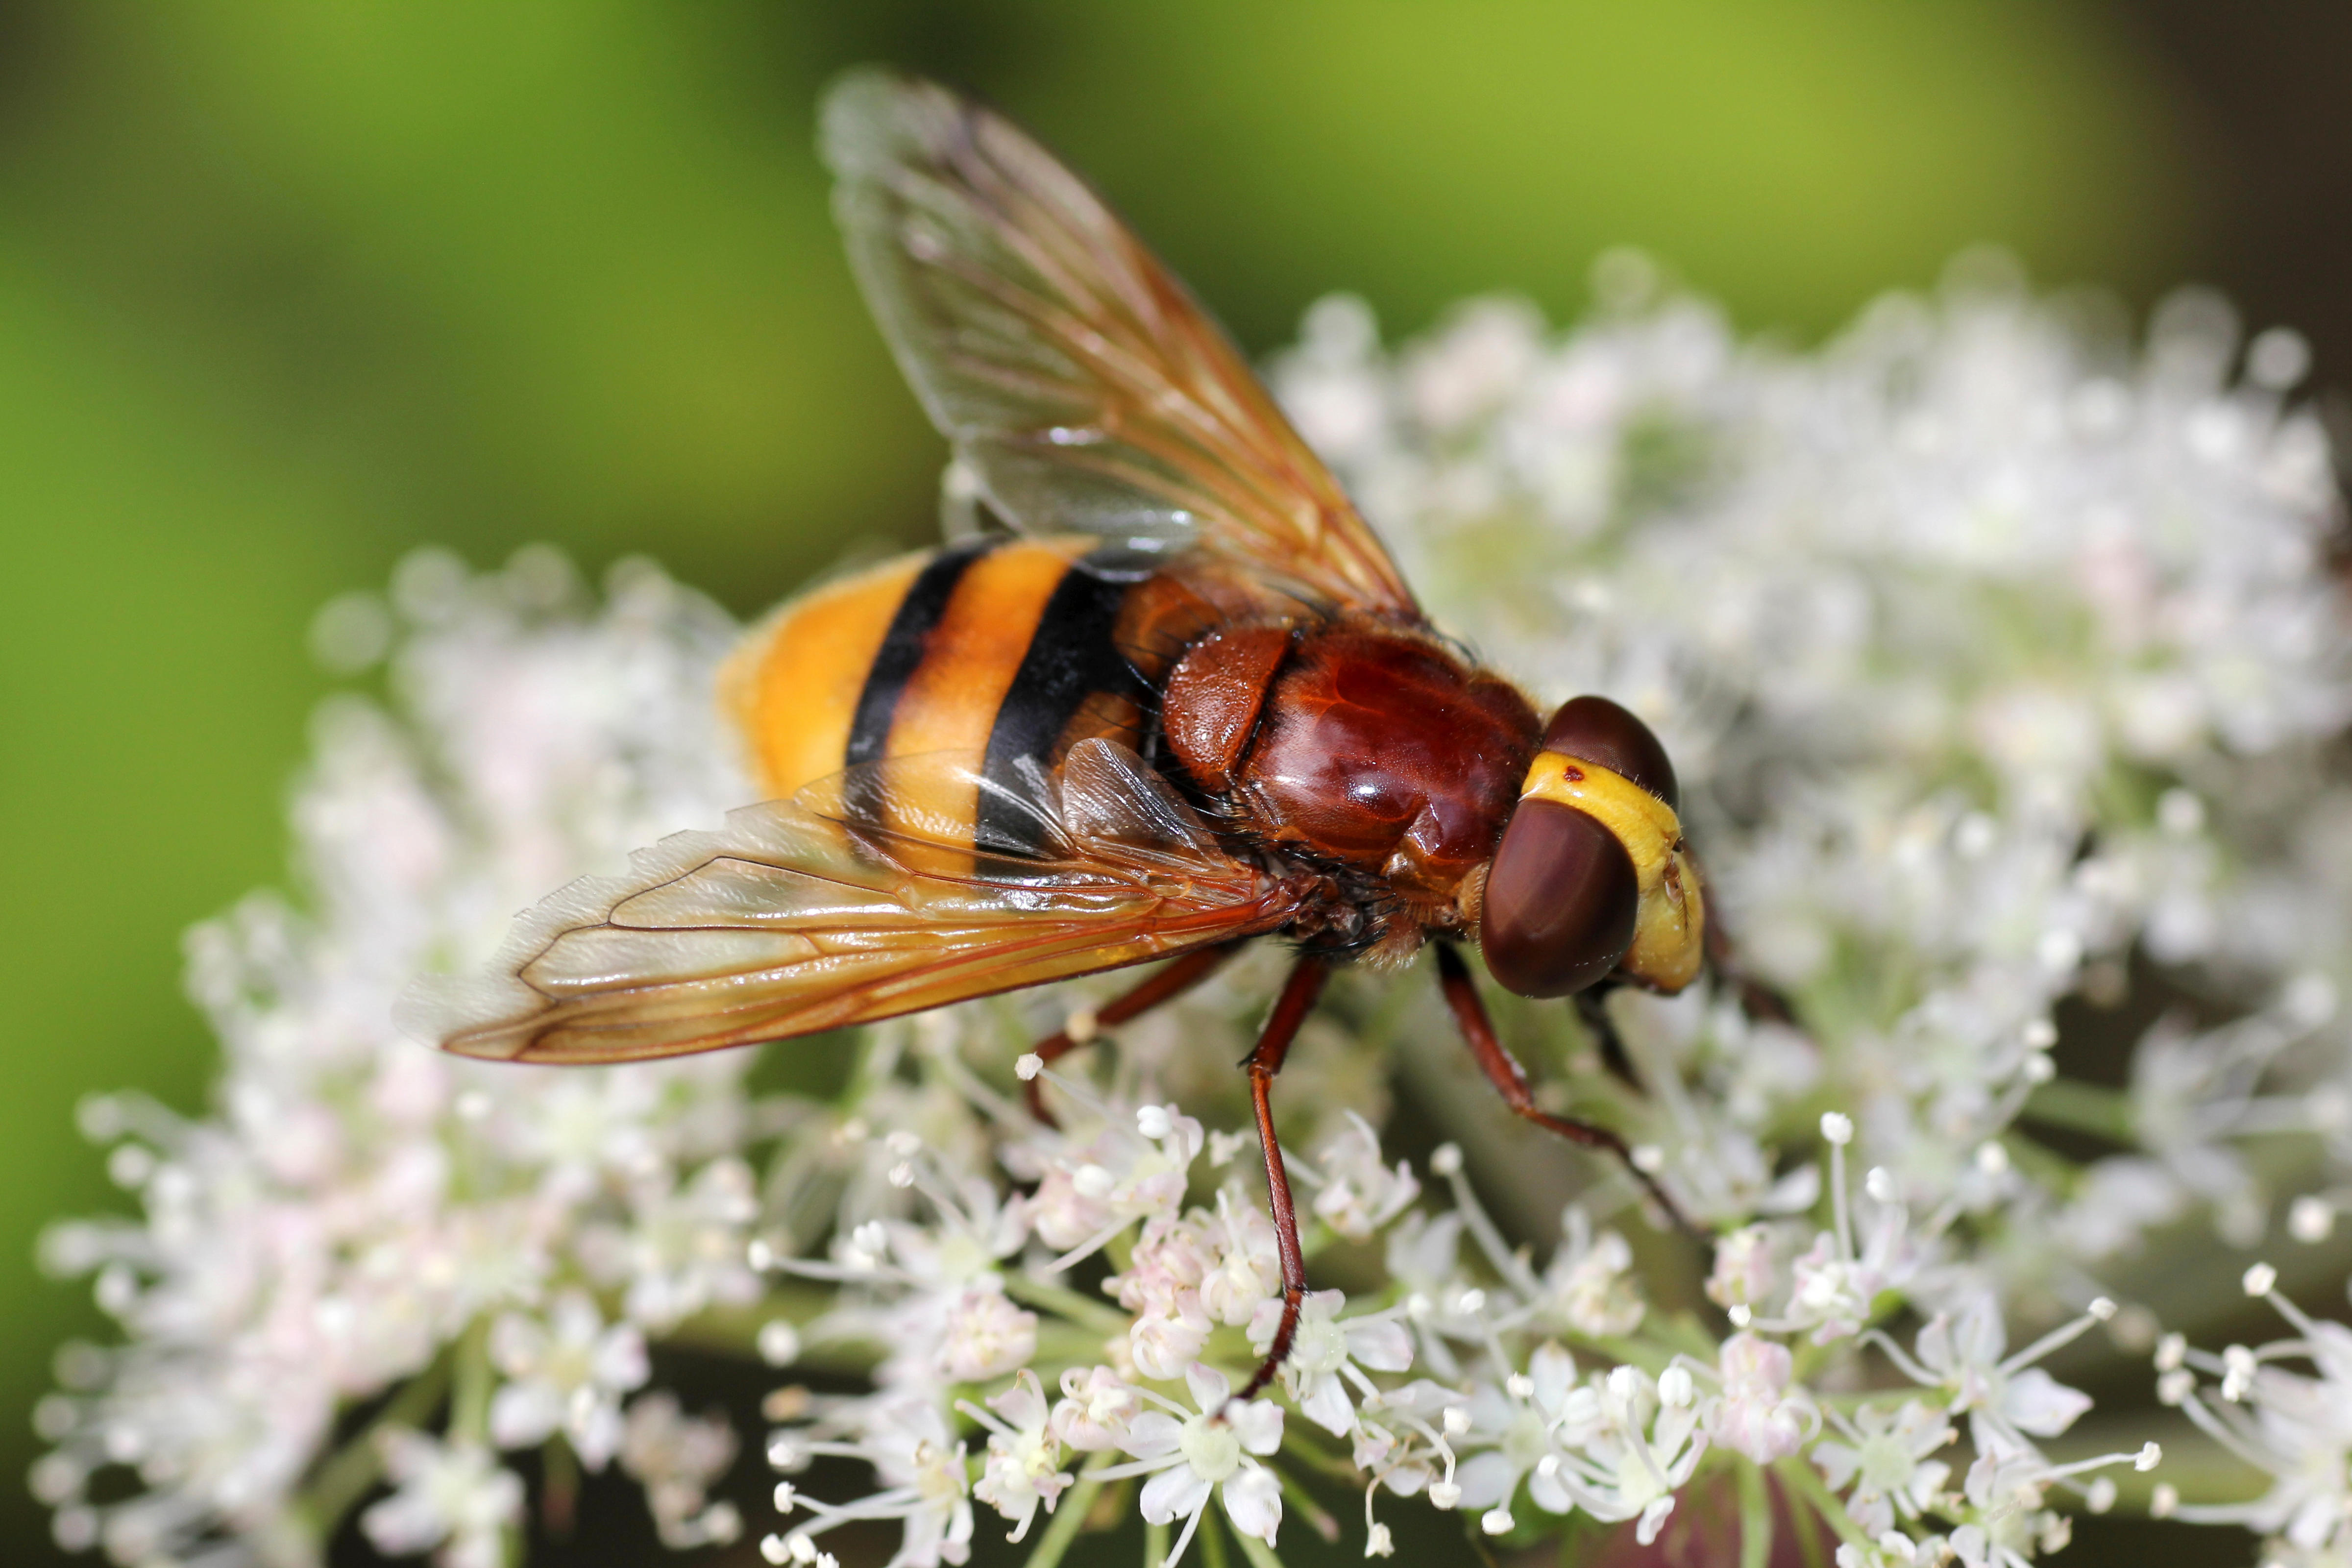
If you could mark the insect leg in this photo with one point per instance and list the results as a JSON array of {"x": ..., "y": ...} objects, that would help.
[
  {"x": 1759, "y": 1001},
  {"x": 1510, "y": 1079},
  {"x": 1163, "y": 985},
  {"x": 1290, "y": 1010},
  {"x": 1592, "y": 1010}
]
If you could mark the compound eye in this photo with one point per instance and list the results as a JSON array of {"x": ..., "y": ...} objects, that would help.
[
  {"x": 1560, "y": 898},
  {"x": 1598, "y": 731}
]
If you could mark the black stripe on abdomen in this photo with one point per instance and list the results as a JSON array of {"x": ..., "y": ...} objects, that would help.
[
  {"x": 1071, "y": 653},
  {"x": 902, "y": 653}
]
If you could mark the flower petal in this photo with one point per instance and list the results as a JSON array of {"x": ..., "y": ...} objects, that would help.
[
  {"x": 2037, "y": 1403},
  {"x": 1486, "y": 1479},
  {"x": 1381, "y": 1344},
  {"x": 1176, "y": 1491},
  {"x": 522, "y": 1413},
  {"x": 1327, "y": 1405},
  {"x": 1208, "y": 1386},
  {"x": 1253, "y": 1500},
  {"x": 1152, "y": 1436},
  {"x": 1258, "y": 1425}
]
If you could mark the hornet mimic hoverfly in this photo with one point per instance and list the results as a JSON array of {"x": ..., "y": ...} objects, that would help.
[{"x": 1186, "y": 702}]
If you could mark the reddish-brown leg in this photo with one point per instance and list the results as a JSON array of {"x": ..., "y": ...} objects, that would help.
[
  {"x": 1290, "y": 1010},
  {"x": 1163, "y": 985},
  {"x": 1502, "y": 1070},
  {"x": 1592, "y": 1008},
  {"x": 1756, "y": 999}
]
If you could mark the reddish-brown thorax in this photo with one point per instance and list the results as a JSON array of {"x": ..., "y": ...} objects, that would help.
[{"x": 1371, "y": 747}]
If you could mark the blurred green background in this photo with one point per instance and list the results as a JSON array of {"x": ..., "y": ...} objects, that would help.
[{"x": 287, "y": 287}]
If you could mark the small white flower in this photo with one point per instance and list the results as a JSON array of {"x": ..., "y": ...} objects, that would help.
[
  {"x": 2297, "y": 1424},
  {"x": 2005, "y": 1494},
  {"x": 1095, "y": 1410},
  {"x": 1089, "y": 1194},
  {"x": 568, "y": 1371},
  {"x": 454, "y": 1500},
  {"x": 1610, "y": 1446},
  {"x": 676, "y": 1458},
  {"x": 1589, "y": 1288},
  {"x": 1756, "y": 1416},
  {"x": 2007, "y": 1400},
  {"x": 985, "y": 1336},
  {"x": 1023, "y": 1468},
  {"x": 1322, "y": 1371},
  {"x": 1244, "y": 1266},
  {"x": 1884, "y": 1457},
  {"x": 1216, "y": 1449},
  {"x": 1163, "y": 1343},
  {"x": 1361, "y": 1193},
  {"x": 685, "y": 1249},
  {"x": 922, "y": 1469},
  {"x": 1743, "y": 1275},
  {"x": 1835, "y": 1285}
]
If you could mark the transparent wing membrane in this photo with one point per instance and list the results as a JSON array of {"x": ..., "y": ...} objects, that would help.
[
  {"x": 805, "y": 915},
  {"x": 1082, "y": 386}
]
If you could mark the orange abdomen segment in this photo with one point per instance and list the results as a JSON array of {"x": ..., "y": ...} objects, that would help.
[
  {"x": 792, "y": 685},
  {"x": 992, "y": 656}
]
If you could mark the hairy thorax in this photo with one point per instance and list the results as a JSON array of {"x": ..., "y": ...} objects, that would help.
[{"x": 1355, "y": 744}]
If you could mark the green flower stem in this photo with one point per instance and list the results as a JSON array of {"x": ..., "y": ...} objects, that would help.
[
  {"x": 1682, "y": 1332},
  {"x": 2200, "y": 1469},
  {"x": 735, "y": 1331},
  {"x": 2037, "y": 1162},
  {"x": 1155, "y": 1545},
  {"x": 1316, "y": 1517},
  {"x": 1648, "y": 1354},
  {"x": 1099, "y": 1316},
  {"x": 982, "y": 1093},
  {"x": 1801, "y": 1478},
  {"x": 469, "y": 1404},
  {"x": 2084, "y": 1108},
  {"x": 1070, "y": 1513},
  {"x": 1321, "y": 1460},
  {"x": 559, "y": 1495},
  {"x": 1755, "y": 1516},
  {"x": 346, "y": 1475},
  {"x": 1809, "y": 1541},
  {"x": 1849, "y": 1400},
  {"x": 1063, "y": 1345},
  {"x": 1260, "y": 1555},
  {"x": 1212, "y": 1537}
]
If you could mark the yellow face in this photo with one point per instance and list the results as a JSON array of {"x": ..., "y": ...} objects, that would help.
[{"x": 1670, "y": 922}]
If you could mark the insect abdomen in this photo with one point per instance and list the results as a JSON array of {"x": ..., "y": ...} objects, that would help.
[{"x": 998, "y": 650}]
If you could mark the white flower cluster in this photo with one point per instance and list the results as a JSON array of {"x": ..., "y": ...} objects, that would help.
[
  {"x": 2293, "y": 1427},
  {"x": 1989, "y": 653},
  {"x": 2002, "y": 659},
  {"x": 1546, "y": 1391},
  {"x": 358, "y": 1215}
]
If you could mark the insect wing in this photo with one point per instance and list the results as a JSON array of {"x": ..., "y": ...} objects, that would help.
[
  {"x": 1081, "y": 386},
  {"x": 855, "y": 901}
]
